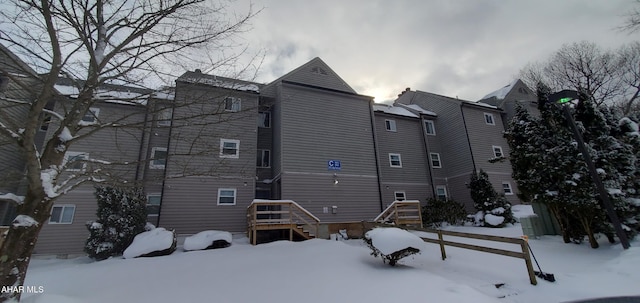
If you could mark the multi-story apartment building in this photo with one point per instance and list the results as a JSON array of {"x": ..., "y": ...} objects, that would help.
[{"x": 205, "y": 150}]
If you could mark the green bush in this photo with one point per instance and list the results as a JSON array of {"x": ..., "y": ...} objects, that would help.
[{"x": 437, "y": 211}]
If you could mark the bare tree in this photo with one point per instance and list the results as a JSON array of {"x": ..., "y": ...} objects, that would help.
[
  {"x": 582, "y": 66},
  {"x": 100, "y": 42},
  {"x": 632, "y": 21}
]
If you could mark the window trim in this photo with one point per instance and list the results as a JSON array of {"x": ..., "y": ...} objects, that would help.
[
  {"x": 63, "y": 206},
  {"x": 395, "y": 195},
  {"x": 439, "y": 160},
  {"x": 162, "y": 120},
  {"x": 153, "y": 165},
  {"x": 261, "y": 154},
  {"x": 493, "y": 121},
  {"x": 390, "y": 125},
  {"x": 508, "y": 184},
  {"x": 433, "y": 127},
  {"x": 74, "y": 154},
  {"x": 268, "y": 119},
  {"x": 235, "y": 195},
  {"x": 494, "y": 147},
  {"x": 95, "y": 114},
  {"x": 237, "y": 153},
  {"x": 399, "y": 160},
  {"x": 234, "y": 101},
  {"x": 444, "y": 188}
]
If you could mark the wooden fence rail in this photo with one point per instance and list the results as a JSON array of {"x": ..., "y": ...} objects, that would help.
[{"x": 523, "y": 254}]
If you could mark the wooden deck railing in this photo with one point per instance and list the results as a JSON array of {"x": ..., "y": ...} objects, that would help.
[
  {"x": 279, "y": 214},
  {"x": 402, "y": 213}
]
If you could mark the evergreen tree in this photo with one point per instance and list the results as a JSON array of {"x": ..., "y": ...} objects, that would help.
[
  {"x": 121, "y": 216},
  {"x": 488, "y": 202}
]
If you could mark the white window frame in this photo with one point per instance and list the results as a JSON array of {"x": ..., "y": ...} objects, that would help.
[
  {"x": 233, "y": 156},
  {"x": 390, "y": 125},
  {"x": 149, "y": 203},
  {"x": 444, "y": 190},
  {"x": 60, "y": 219},
  {"x": 439, "y": 160},
  {"x": 400, "y": 192},
  {"x": 70, "y": 154},
  {"x": 433, "y": 127},
  {"x": 164, "y": 117},
  {"x": 235, "y": 195},
  {"x": 490, "y": 116},
  {"x": 261, "y": 161},
  {"x": 152, "y": 163},
  {"x": 496, "y": 147},
  {"x": 391, "y": 160},
  {"x": 92, "y": 113},
  {"x": 264, "y": 122},
  {"x": 508, "y": 190},
  {"x": 236, "y": 104}
]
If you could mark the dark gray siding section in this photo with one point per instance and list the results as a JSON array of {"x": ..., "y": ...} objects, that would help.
[{"x": 316, "y": 126}]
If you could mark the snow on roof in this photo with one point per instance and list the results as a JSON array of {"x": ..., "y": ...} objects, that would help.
[
  {"x": 393, "y": 110},
  {"x": 223, "y": 83},
  {"x": 417, "y": 108},
  {"x": 501, "y": 93},
  {"x": 164, "y": 95},
  {"x": 481, "y": 104},
  {"x": 111, "y": 96}
]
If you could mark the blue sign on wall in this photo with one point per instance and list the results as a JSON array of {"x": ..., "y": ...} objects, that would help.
[{"x": 334, "y": 165}]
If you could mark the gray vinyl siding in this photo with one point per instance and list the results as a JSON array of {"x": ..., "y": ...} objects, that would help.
[
  {"x": 195, "y": 168},
  {"x": 69, "y": 238},
  {"x": 316, "y": 126},
  {"x": 190, "y": 204},
  {"x": 413, "y": 176}
]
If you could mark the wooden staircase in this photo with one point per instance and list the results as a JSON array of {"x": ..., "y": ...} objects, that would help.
[
  {"x": 407, "y": 213},
  {"x": 280, "y": 218}
]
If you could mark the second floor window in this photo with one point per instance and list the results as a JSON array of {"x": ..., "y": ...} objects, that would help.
[
  {"x": 390, "y": 125},
  {"x": 75, "y": 161},
  {"x": 263, "y": 158},
  {"x": 229, "y": 148},
  {"x": 395, "y": 160},
  {"x": 164, "y": 117},
  {"x": 497, "y": 151},
  {"x": 430, "y": 127},
  {"x": 488, "y": 119},
  {"x": 90, "y": 117},
  {"x": 264, "y": 119},
  {"x": 232, "y": 104},
  {"x": 435, "y": 160},
  {"x": 158, "y": 158}
]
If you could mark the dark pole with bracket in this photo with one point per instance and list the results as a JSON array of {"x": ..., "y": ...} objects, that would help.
[{"x": 566, "y": 96}]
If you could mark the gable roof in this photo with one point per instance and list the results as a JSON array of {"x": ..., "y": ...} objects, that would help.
[
  {"x": 316, "y": 73},
  {"x": 502, "y": 92},
  {"x": 198, "y": 77}
]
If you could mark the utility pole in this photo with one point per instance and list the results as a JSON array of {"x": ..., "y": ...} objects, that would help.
[{"x": 564, "y": 97}]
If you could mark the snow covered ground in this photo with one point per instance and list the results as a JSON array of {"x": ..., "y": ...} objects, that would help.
[{"x": 332, "y": 271}]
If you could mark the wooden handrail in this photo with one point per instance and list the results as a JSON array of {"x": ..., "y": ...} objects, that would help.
[
  {"x": 398, "y": 213},
  {"x": 290, "y": 213}
]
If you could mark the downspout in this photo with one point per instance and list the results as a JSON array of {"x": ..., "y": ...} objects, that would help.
[
  {"x": 166, "y": 164},
  {"x": 426, "y": 147},
  {"x": 375, "y": 152},
  {"x": 466, "y": 132}
]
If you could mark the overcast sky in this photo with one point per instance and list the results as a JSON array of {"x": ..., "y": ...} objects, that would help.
[{"x": 464, "y": 48}]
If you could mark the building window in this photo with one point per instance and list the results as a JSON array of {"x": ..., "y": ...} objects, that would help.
[
  {"x": 62, "y": 214},
  {"x": 318, "y": 70},
  {"x": 229, "y": 148},
  {"x": 75, "y": 161},
  {"x": 164, "y": 117},
  {"x": 506, "y": 186},
  {"x": 227, "y": 196},
  {"x": 158, "y": 158},
  {"x": 430, "y": 127},
  {"x": 91, "y": 116},
  {"x": 395, "y": 160},
  {"x": 264, "y": 119},
  {"x": 263, "y": 158},
  {"x": 497, "y": 151},
  {"x": 400, "y": 196},
  {"x": 232, "y": 104},
  {"x": 390, "y": 125},
  {"x": 441, "y": 192},
  {"x": 153, "y": 205},
  {"x": 435, "y": 160},
  {"x": 488, "y": 119},
  {"x": 46, "y": 120}
]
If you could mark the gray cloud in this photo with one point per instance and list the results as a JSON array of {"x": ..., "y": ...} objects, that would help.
[{"x": 464, "y": 48}]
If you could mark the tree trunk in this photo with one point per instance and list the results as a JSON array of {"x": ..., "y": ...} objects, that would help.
[
  {"x": 562, "y": 221},
  {"x": 18, "y": 245},
  {"x": 586, "y": 224}
]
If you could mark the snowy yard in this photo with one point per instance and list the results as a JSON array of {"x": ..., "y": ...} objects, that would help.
[{"x": 330, "y": 271}]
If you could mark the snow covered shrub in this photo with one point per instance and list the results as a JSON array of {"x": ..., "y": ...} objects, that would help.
[
  {"x": 392, "y": 244},
  {"x": 121, "y": 216},
  {"x": 438, "y": 211},
  {"x": 494, "y": 209},
  {"x": 152, "y": 243}
]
